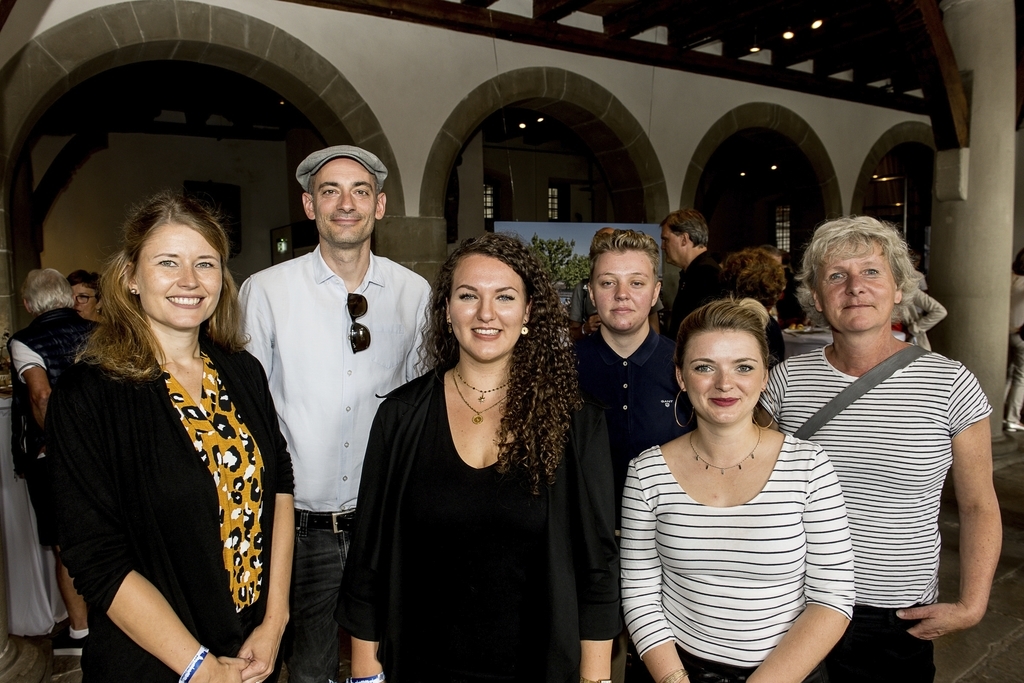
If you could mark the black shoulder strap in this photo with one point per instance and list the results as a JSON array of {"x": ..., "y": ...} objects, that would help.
[{"x": 865, "y": 383}]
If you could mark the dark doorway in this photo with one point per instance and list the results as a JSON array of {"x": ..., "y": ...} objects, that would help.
[
  {"x": 759, "y": 188},
  {"x": 525, "y": 165},
  {"x": 900, "y": 192}
]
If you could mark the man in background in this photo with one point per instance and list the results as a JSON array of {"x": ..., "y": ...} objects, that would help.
[{"x": 684, "y": 239}]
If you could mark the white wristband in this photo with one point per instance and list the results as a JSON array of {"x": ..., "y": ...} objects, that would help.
[{"x": 194, "y": 665}]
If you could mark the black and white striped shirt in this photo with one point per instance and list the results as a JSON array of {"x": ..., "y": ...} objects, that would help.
[
  {"x": 891, "y": 450},
  {"x": 726, "y": 583}
]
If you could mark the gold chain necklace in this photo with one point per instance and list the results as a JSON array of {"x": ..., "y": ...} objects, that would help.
[
  {"x": 479, "y": 417},
  {"x": 483, "y": 392},
  {"x": 723, "y": 469}
]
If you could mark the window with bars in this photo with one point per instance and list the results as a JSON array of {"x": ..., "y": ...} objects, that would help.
[
  {"x": 553, "y": 204},
  {"x": 782, "y": 227},
  {"x": 488, "y": 201}
]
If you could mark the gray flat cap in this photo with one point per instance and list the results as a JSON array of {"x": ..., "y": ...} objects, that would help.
[{"x": 315, "y": 161}]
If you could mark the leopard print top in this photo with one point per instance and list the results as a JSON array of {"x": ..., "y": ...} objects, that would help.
[{"x": 233, "y": 458}]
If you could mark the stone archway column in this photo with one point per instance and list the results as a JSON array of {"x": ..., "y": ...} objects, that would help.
[{"x": 972, "y": 210}]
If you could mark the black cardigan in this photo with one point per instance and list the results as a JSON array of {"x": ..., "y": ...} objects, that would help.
[
  {"x": 582, "y": 555},
  {"x": 132, "y": 494}
]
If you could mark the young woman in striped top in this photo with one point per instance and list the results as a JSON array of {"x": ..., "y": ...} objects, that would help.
[{"x": 736, "y": 556}]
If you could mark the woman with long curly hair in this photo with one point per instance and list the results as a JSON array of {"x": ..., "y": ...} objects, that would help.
[
  {"x": 484, "y": 545},
  {"x": 173, "y": 479}
]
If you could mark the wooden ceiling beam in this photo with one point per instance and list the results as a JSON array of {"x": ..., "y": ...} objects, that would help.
[
  {"x": 1020, "y": 88},
  {"x": 553, "y": 10},
  {"x": 5, "y": 11},
  {"x": 640, "y": 16},
  {"x": 478, "y": 3},
  {"x": 768, "y": 18},
  {"x": 926, "y": 43},
  {"x": 503, "y": 26}
]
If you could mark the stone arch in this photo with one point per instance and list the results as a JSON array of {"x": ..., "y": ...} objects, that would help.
[
  {"x": 614, "y": 135},
  {"x": 908, "y": 131},
  {"x": 53, "y": 62},
  {"x": 773, "y": 117}
]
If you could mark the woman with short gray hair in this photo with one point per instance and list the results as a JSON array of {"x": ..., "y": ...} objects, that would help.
[{"x": 921, "y": 416}]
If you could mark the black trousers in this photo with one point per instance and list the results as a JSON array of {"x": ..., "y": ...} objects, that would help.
[
  {"x": 706, "y": 671},
  {"x": 876, "y": 647}
]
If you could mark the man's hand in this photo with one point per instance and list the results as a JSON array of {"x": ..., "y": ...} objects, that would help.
[
  {"x": 592, "y": 325},
  {"x": 939, "y": 619}
]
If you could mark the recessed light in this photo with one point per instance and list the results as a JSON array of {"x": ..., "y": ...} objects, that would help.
[
  {"x": 875, "y": 176},
  {"x": 774, "y": 167},
  {"x": 755, "y": 49},
  {"x": 788, "y": 35},
  {"x": 816, "y": 24},
  {"x": 522, "y": 125},
  {"x": 281, "y": 102},
  {"x": 540, "y": 119}
]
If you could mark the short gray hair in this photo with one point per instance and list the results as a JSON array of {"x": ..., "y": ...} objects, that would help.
[
  {"x": 691, "y": 222},
  {"x": 850, "y": 236},
  {"x": 46, "y": 290}
]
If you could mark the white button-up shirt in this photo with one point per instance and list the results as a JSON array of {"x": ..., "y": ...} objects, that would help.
[{"x": 296, "y": 316}]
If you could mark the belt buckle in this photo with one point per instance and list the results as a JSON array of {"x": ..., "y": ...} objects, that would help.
[{"x": 334, "y": 521}]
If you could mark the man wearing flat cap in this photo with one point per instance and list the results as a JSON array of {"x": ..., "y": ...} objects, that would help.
[{"x": 335, "y": 330}]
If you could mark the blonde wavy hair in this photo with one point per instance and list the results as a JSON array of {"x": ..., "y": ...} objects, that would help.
[{"x": 123, "y": 344}]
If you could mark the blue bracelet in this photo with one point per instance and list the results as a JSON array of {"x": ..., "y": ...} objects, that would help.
[
  {"x": 379, "y": 678},
  {"x": 194, "y": 665}
]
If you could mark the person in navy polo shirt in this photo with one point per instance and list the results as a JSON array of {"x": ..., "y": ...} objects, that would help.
[{"x": 627, "y": 365}]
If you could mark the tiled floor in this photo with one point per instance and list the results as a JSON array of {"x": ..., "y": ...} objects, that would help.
[{"x": 992, "y": 652}]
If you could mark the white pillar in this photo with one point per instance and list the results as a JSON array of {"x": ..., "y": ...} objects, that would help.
[{"x": 972, "y": 238}]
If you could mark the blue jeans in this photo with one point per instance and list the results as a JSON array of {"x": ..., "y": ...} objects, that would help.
[
  {"x": 876, "y": 647},
  {"x": 316, "y": 580}
]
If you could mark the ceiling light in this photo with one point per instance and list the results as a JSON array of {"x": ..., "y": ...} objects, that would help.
[
  {"x": 281, "y": 102},
  {"x": 755, "y": 48},
  {"x": 875, "y": 176},
  {"x": 522, "y": 125},
  {"x": 742, "y": 173},
  {"x": 788, "y": 35},
  {"x": 816, "y": 24},
  {"x": 774, "y": 167},
  {"x": 540, "y": 119}
]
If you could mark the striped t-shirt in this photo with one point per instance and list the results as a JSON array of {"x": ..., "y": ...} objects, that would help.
[
  {"x": 891, "y": 449},
  {"x": 726, "y": 583}
]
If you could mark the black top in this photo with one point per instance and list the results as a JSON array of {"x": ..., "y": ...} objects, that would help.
[
  {"x": 57, "y": 336},
  {"x": 579, "y": 552},
  {"x": 476, "y": 580},
  {"x": 776, "y": 342},
  {"x": 134, "y": 495},
  {"x": 698, "y": 284}
]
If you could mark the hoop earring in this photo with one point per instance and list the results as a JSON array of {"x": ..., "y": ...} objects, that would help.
[
  {"x": 675, "y": 411},
  {"x": 753, "y": 418}
]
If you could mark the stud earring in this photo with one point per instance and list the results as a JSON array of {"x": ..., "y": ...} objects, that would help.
[
  {"x": 134, "y": 291},
  {"x": 525, "y": 331}
]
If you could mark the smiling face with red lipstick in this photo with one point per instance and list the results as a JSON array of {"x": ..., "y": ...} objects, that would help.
[{"x": 723, "y": 374}]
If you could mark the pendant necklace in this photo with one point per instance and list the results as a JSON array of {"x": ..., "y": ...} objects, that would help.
[
  {"x": 697, "y": 456},
  {"x": 479, "y": 417},
  {"x": 483, "y": 392}
]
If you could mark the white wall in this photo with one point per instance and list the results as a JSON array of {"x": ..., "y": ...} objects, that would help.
[
  {"x": 82, "y": 228},
  {"x": 413, "y": 76}
]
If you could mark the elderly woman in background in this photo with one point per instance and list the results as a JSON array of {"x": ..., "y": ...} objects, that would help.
[
  {"x": 484, "y": 547},
  {"x": 758, "y": 274},
  {"x": 174, "y": 480},
  {"x": 891, "y": 448},
  {"x": 86, "y": 288},
  {"x": 736, "y": 559}
]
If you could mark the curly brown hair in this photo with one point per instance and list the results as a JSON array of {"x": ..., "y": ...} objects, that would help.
[
  {"x": 543, "y": 388},
  {"x": 753, "y": 272},
  {"x": 123, "y": 344}
]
